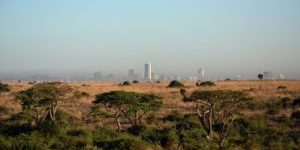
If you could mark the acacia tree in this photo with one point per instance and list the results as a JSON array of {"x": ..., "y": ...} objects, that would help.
[
  {"x": 41, "y": 100},
  {"x": 216, "y": 110},
  {"x": 129, "y": 105},
  {"x": 115, "y": 102},
  {"x": 145, "y": 104}
]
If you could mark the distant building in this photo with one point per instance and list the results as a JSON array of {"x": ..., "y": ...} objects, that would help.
[
  {"x": 154, "y": 76},
  {"x": 148, "y": 71},
  {"x": 98, "y": 76},
  {"x": 238, "y": 77},
  {"x": 281, "y": 76},
  {"x": 193, "y": 78},
  {"x": 268, "y": 75},
  {"x": 201, "y": 73},
  {"x": 131, "y": 74},
  {"x": 111, "y": 77},
  {"x": 163, "y": 77}
]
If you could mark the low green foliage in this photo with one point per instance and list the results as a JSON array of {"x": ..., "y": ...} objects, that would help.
[
  {"x": 4, "y": 87},
  {"x": 175, "y": 84}
]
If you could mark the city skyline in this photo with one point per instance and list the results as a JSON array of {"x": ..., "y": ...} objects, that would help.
[
  {"x": 225, "y": 38},
  {"x": 148, "y": 74}
]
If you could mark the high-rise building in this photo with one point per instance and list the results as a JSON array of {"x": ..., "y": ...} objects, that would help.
[
  {"x": 148, "y": 71},
  {"x": 131, "y": 74},
  {"x": 201, "y": 72},
  {"x": 268, "y": 75},
  {"x": 281, "y": 76}
]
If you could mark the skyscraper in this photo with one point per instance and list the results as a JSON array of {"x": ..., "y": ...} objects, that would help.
[{"x": 148, "y": 71}]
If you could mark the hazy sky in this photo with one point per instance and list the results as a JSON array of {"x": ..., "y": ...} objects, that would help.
[{"x": 177, "y": 36}]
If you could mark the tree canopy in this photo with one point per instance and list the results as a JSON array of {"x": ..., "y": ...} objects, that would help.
[
  {"x": 129, "y": 105},
  {"x": 218, "y": 108},
  {"x": 41, "y": 100}
]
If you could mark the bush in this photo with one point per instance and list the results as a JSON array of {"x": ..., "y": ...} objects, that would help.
[
  {"x": 296, "y": 102},
  {"x": 175, "y": 84},
  {"x": 126, "y": 83},
  {"x": 296, "y": 115},
  {"x": 285, "y": 102},
  {"x": 272, "y": 111},
  {"x": 282, "y": 88},
  {"x": 135, "y": 81},
  {"x": 283, "y": 120},
  {"x": 78, "y": 94},
  {"x": 165, "y": 137},
  {"x": 4, "y": 87},
  {"x": 108, "y": 140},
  {"x": 3, "y": 110},
  {"x": 207, "y": 83}
]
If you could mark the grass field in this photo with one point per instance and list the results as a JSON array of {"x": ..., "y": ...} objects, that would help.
[{"x": 259, "y": 90}]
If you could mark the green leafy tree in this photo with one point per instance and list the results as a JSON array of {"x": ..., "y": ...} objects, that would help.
[
  {"x": 41, "y": 100},
  {"x": 145, "y": 104},
  {"x": 130, "y": 105},
  {"x": 115, "y": 102},
  {"x": 216, "y": 110}
]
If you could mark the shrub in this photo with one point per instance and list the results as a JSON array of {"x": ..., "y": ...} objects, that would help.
[
  {"x": 3, "y": 110},
  {"x": 285, "y": 102},
  {"x": 78, "y": 94},
  {"x": 107, "y": 140},
  {"x": 260, "y": 76},
  {"x": 175, "y": 84},
  {"x": 135, "y": 81},
  {"x": 126, "y": 83},
  {"x": 207, "y": 83},
  {"x": 296, "y": 102},
  {"x": 296, "y": 115},
  {"x": 283, "y": 120},
  {"x": 4, "y": 87},
  {"x": 166, "y": 137},
  {"x": 282, "y": 88},
  {"x": 5, "y": 143}
]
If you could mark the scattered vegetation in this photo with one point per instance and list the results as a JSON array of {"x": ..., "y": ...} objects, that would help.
[
  {"x": 4, "y": 87},
  {"x": 175, "y": 84},
  {"x": 202, "y": 119},
  {"x": 282, "y": 88},
  {"x": 135, "y": 81},
  {"x": 206, "y": 83},
  {"x": 260, "y": 76},
  {"x": 125, "y": 83}
]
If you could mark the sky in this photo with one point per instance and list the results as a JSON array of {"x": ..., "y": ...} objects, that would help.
[{"x": 177, "y": 36}]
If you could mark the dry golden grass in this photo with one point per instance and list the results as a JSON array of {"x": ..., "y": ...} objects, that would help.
[{"x": 259, "y": 90}]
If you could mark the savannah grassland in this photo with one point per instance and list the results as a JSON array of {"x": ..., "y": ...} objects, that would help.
[
  {"x": 259, "y": 90},
  {"x": 266, "y": 122}
]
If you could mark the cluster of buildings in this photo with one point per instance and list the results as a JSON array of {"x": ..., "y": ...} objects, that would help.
[{"x": 149, "y": 75}]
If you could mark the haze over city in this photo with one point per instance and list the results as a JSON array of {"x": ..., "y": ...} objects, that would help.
[{"x": 226, "y": 38}]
